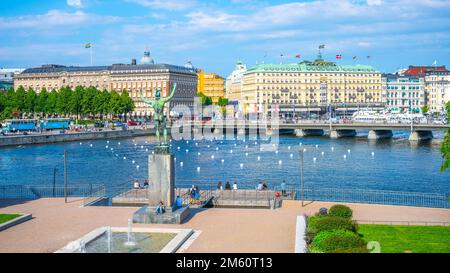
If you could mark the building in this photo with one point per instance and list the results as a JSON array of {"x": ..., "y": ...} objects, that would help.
[
  {"x": 233, "y": 85},
  {"x": 7, "y": 77},
  {"x": 53, "y": 77},
  {"x": 211, "y": 85},
  {"x": 420, "y": 71},
  {"x": 129, "y": 77},
  {"x": 405, "y": 94},
  {"x": 296, "y": 88},
  {"x": 437, "y": 86},
  {"x": 148, "y": 78}
]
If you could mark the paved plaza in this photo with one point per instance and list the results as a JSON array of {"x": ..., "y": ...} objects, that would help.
[{"x": 55, "y": 223}]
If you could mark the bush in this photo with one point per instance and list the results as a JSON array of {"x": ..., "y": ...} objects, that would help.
[
  {"x": 337, "y": 241},
  {"x": 327, "y": 223},
  {"x": 341, "y": 211}
]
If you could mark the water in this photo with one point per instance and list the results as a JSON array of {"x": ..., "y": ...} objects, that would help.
[
  {"x": 145, "y": 243},
  {"x": 393, "y": 164}
]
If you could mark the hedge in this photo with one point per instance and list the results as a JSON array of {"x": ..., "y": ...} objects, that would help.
[
  {"x": 327, "y": 223},
  {"x": 337, "y": 241},
  {"x": 341, "y": 211}
]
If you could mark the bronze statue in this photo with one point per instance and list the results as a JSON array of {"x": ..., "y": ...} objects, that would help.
[{"x": 159, "y": 117}]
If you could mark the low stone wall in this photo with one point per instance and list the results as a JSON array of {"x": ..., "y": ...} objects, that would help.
[
  {"x": 24, "y": 217},
  {"x": 45, "y": 139}
]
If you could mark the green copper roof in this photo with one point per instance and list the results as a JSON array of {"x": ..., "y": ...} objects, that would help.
[{"x": 316, "y": 66}]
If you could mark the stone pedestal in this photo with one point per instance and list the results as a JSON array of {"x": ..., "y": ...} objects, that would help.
[{"x": 161, "y": 172}]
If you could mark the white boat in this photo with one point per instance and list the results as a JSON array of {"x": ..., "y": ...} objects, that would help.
[{"x": 369, "y": 116}]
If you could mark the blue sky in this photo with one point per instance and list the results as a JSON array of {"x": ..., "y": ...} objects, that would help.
[{"x": 215, "y": 34}]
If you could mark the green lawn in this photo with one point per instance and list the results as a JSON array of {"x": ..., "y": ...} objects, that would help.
[
  {"x": 7, "y": 217},
  {"x": 415, "y": 239}
]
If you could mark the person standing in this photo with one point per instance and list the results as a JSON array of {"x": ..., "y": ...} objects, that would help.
[
  {"x": 283, "y": 188},
  {"x": 219, "y": 186},
  {"x": 228, "y": 186},
  {"x": 235, "y": 186}
]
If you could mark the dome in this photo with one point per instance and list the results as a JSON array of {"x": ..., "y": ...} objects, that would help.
[{"x": 147, "y": 59}]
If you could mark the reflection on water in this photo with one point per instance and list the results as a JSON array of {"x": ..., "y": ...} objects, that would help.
[{"x": 395, "y": 164}]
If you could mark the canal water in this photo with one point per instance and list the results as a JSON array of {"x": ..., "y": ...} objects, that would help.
[{"x": 350, "y": 163}]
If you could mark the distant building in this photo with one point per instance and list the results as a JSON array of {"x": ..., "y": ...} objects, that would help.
[
  {"x": 233, "y": 85},
  {"x": 437, "y": 86},
  {"x": 405, "y": 94},
  {"x": 420, "y": 71},
  {"x": 131, "y": 78},
  {"x": 310, "y": 86},
  {"x": 7, "y": 77},
  {"x": 147, "y": 59},
  {"x": 211, "y": 85}
]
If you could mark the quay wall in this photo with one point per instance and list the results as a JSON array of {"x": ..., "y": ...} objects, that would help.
[{"x": 56, "y": 138}]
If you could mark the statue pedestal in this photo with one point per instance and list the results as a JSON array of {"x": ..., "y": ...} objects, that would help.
[{"x": 161, "y": 172}]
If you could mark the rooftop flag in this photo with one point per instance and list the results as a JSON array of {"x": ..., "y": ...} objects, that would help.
[
  {"x": 88, "y": 45},
  {"x": 354, "y": 57},
  {"x": 338, "y": 56},
  {"x": 298, "y": 56},
  {"x": 321, "y": 46}
]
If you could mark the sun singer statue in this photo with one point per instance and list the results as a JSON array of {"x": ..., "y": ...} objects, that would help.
[{"x": 159, "y": 116}]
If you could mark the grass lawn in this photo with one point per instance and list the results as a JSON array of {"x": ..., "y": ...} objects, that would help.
[
  {"x": 416, "y": 239},
  {"x": 7, "y": 217}
]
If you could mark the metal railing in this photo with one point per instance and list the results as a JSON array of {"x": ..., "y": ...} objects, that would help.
[
  {"x": 432, "y": 200},
  {"x": 85, "y": 191}
]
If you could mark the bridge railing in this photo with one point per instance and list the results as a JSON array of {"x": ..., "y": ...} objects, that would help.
[{"x": 415, "y": 199}]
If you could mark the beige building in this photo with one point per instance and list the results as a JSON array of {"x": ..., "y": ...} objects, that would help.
[
  {"x": 437, "y": 86},
  {"x": 53, "y": 77},
  {"x": 310, "y": 86},
  {"x": 132, "y": 78},
  {"x": 148, "y": 78},
  {"x": 233, "y": 86}
]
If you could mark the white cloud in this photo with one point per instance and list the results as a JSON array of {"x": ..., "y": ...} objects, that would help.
[
  {"x": 165, "y": 4},
  {"x": 374, "y": 2},
  {"x": 75, "y": 3}
]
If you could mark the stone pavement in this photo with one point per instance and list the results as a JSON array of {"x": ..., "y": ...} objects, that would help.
[{"x": 54, "y": 224}]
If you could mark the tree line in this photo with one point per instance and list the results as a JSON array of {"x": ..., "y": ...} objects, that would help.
[{"x": 81, "y": 102}]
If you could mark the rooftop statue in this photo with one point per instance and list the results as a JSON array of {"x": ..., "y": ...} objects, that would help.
[{"x": 159, "y": 116}]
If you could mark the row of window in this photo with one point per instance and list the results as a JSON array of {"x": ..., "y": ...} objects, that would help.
[{"x": 318, "y": 75}]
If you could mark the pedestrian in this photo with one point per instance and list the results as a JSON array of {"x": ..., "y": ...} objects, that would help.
[
  {"x": 265, "y": 187},
  {"x": 235, "y": 186},
  {"x": 228, "y": 186},
  {"x": 260, "y": 186},
  {"x": 219, "y": 186},
  {"x": 283, "y": 188},
  {"x": 160, "y": 209},
  {"x": 179, "y": 201}
]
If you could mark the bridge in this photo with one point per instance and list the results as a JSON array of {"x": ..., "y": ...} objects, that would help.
[{"x": 418, "y": 131}]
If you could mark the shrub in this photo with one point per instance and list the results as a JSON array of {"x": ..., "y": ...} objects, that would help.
[
  {"x": 337, "y": 241},
  {"x": 341, "y": 211},
  {"x": 330, "y": 223}
]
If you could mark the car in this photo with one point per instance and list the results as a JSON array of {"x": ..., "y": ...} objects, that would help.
[
  {"x": 132, "y": 123},
  {"x": 118, "y": 124}
]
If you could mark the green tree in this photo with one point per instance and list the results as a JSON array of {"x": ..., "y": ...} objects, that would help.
[
  {"x": 30, "y": 101},
  {"x": 19, "y": 100},
  {"x": 106, "y": 97},
  {"x": 425, "y": 109},
  {"x": 2, "y": 103},
  {"x": 127, "y": 103},
  {"x": 222, "y": 102},
  {"x": 50, "y": 105},
  {"x": 115, "y": 103},
  {"x": 41, "y": 102},
  {"x": 205, "y": 100},
  {"x": 87, "y": 102},
  {"x": 75, "y": 106},
  {"x": 63, "y": 101},
  {"x": 445, "y": 148}
]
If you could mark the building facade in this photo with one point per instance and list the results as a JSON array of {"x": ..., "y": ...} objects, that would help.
[
  {"x": 7, "y": 77},
  {"x": 437, "y": 86},
  {"x": 119, "y": 77},
  {"x": 234, "y": 84},
  {"x": 404, "y": 94},
  {"x": 290, "y": 89},
  {"x": 211, "y": 85},
  {"x": 148, "y": 78}
]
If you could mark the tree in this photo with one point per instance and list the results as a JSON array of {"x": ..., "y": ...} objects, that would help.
[
  {"x": 205, "y": 100},
  {"x": 62, "y": 101},
  {"x": 425, "y": 109},
  {"x": 50, "y": 104},
  {"x": 75, "y": 101},
  {"x": 445, "y": 148},
  {"x": 30, "y": 101},
  {"x": 87, "y": 102},
  {"x": 222, "y": 102},
  {"x": 127, "y": 103},
  {"x": 115, "y": 103},
  {"x": 19, "y": 99},
  {"x": 2, "y": 103},
  {"x": 41, "y": 101}
]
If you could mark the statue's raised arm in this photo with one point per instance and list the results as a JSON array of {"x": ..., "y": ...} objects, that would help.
[
  {"x": 166, "y": 99},
  {"x": 147, "y": 101}
]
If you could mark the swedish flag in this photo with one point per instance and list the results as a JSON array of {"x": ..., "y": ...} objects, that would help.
[
  {"x": 88, "y": 45},
  {"x": 321, "y": 46}
]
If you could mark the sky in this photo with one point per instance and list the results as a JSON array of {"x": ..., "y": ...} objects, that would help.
[{"x": 215, "y": 34}]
